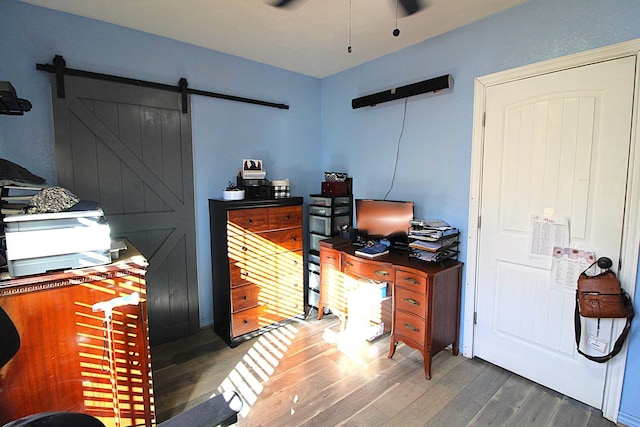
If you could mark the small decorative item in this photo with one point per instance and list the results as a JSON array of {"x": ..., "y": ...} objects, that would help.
[
  {"x": 335, "y": 176},
  {"x": 252, "y": 165},
  {"x": 232, "y": 192},
  {"x": 252, "y": 169},
  {"x": 281, "y": 188}
]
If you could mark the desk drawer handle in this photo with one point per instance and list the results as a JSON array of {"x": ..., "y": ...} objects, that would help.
[
  {"x": 381, "y": 272},
  {"x": 331, "y": 257},
  {"x": 412, "y": 280},
  {"x": 411, "y": 327},
  {"x": 349, "y": 263},
  {"x": 412, "y": 301}
]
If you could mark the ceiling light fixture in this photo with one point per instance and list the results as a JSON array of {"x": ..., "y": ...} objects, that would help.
[
  {"x": 350, "y": 9},
  {"x": 396, "y": 31}
]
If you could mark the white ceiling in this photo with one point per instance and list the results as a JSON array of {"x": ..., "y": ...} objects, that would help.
[{"x": 310, "y": 38}]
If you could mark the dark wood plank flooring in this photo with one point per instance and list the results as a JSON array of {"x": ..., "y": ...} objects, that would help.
[{"x": 306, "y": 373}]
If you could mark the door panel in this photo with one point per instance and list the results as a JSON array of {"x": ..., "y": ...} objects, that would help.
[
  {"x": 556, "y": 143},
  {"x": 129, "y": 148}
]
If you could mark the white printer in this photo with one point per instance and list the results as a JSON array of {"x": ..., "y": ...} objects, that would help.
[{"x": 41, "y": 242}]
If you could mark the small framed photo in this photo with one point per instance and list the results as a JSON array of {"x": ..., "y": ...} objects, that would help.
[{"x": 252, "y": 165}]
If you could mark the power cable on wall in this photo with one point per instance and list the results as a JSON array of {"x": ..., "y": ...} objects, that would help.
[{"x": 395, "y": 166}]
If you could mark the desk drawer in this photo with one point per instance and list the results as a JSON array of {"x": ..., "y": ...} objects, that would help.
[
  {"x": 378, "y": 271},
  {"x": 329, "y": 257},
  {"x": 411, "y": 280},
  {"x": 413, "y": 302},
  {"x": 410, "y": 327}
]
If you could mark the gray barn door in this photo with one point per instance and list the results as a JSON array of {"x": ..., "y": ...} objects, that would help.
[{"x": 129, "y": 148}]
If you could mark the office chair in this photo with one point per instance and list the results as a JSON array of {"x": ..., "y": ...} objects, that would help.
[{"x": 219, "y": 410}]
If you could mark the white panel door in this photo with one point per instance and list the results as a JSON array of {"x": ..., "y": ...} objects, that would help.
[{"x": 556, "y": 143}]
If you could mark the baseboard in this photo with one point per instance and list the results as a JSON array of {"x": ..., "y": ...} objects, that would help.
[{"x": 628, "y": 420}]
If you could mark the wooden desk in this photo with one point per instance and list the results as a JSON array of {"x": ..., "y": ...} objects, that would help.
[
  {"x": 425, "y": 311},
  {"x": 61, "y": 364}
]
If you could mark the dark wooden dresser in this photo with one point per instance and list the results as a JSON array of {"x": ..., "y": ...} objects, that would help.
[
  {"x": 257, "y": 265},
  {"x": 62, "y": 363}
]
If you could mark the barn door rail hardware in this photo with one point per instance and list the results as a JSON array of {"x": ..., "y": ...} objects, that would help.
[{"x": 60, "y": 70}]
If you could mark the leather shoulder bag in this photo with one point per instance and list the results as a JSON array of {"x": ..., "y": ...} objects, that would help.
[{"x": 602, "y": 297}]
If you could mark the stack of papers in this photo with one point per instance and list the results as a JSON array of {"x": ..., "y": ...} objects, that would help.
[
  {"x": 433, "y": 246},
  {"x": 431, "y": 229}
]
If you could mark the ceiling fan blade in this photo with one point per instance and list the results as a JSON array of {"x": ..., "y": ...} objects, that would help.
[
  {"x": 283, "y": 3},
  {"x": 411, "y": 6}
]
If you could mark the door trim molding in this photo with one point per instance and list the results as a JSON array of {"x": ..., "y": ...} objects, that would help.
[{"x": 631, "y": 226}]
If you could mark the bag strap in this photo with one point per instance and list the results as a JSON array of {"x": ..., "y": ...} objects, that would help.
[
  {"x": 619, "y": 342},
  {"x": 605, "y": 265}
]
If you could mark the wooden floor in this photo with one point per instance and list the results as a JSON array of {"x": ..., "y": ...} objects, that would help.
[{"x": 306, "y": 373}]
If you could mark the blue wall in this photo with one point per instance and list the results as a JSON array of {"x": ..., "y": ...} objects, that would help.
[
  {"x": 224, "y": 132},
  {"x": 435, "y": 146}
]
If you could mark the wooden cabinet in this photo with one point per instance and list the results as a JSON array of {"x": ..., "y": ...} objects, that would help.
[
  {"x": 425, "y": 313},
  {"x": 257, "y": 265},
  {"x": 62, "y": 364}
]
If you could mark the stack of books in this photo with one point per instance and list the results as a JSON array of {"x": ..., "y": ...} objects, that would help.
[
  {"x": 433, "y": 240},
  {"x": 373, "y": 250}
]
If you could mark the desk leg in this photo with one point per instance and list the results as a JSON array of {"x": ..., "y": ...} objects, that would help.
[
  {"x": 427, "y": 364},
  {"x": 392, "y": 346}
]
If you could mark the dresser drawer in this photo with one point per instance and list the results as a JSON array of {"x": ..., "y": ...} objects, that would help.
[
  {"x": 412, "y": 280},
  {"x": 246, "y": 321},
  {"x": 243, "y": 297},
  {"x": 282, "y": 240},
  {"x": 378, "y": 271},
  {"x": 238, "y": 274},
  {"x": 285, "y": 217},
  {"x": 248, "y": 220},
  {"x": 256, "y": 245},
  {"x": 413, "y": 302},
  {"x": 409, "y": 327}
]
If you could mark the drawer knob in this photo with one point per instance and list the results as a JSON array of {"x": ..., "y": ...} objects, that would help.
[
  {"x": 382, "y": 272},
  {"x": 349, "y": 264},
  {"x": 250, "y": 221},
  {"x": 287, "y": 217},
  {"x": 412, "y": 280},
  {"x": 412, "y": 301},
  {"x": 411, "y": 327},
  {"x": 331, "y": 257},
  {"x": 244, "y": 248},
  {"x": 293, "y": 239},
  {"x": 246, "y": 322},
  {"x": 244, "y": 297}
]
